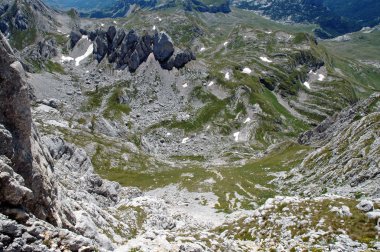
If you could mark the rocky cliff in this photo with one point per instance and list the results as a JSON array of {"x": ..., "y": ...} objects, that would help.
[
  {"x": 46, "y": 184},
  {"x": 130, "y": 50},
  {"x": 347, "y": 158},
  {"x": 29, "y": 166}
]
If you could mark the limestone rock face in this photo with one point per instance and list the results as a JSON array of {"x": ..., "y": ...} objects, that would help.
[
  {"x": 74, "y": 38},
  {"x": 182, "y": 58},
  {"x": 13, "y": 191},
  {"x": 29, "y": 165},
  {"x": 365, "y": 205},
  {"x": 163, "y": 47},
  {"x": 46, "y": 184},
  {"x": 21, "y": 21},
  {"x": 6, "y": 142},
  {"x": 100, "y": 47},
  {"x": 130, "y": 50},
  {"x": 4, "y": 27},
  {"x": 347, "y": 155},
  {"x": 111, "y": 33},
  {"x": 42, "y": 51}
]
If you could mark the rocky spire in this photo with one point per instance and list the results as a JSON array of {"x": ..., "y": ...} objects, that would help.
[{"x": 25, "y": 166}]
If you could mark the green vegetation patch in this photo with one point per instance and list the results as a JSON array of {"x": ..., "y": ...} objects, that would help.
[
  {"x": 95, "y": 98},
  {"x": 251, "y": 181},
  {"x": 72, "y": 13},
  {"x": 114, "y": 108},
  {"x": 21, "y": 39},
  {"x": 54, "y": 67}
]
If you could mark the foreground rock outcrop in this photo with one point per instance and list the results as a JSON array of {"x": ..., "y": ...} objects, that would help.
[
  {"x": 129, "y": 49},
  {"x": 30, "y": 166},
  {"x": 50, "y": 197}
]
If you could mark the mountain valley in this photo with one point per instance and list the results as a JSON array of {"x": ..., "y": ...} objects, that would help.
[{"x": 184, "y": 127}]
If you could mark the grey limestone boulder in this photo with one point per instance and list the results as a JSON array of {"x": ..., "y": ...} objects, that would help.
[{"x": 163, "y": 47}]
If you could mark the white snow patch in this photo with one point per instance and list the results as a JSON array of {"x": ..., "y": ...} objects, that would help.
[
  {"x": 247, "y": 120},
  {"x": 248, "y": 193},
  {"x": 227, "y": 76},
  {"x": 154, "y": 28},
  {"x": 58, "y": 124},
  {"x": 202, "y": 49},
  {"x": 367, "y": 30},
  {"x": 268, "y": 32},
  {"x": 66, "y": 58},
  {"x": 102, "y": 25},
  {"x": 238, "y": 196},
  {"x": 88, "y": 52},
  {"x": 247, "y": 70},
  {"x": 225, "y": 43},
  {"x": 184, "y": 85},
  {"x": 306, "y": 84},
  {"x": 209, "y": 181},
  {"x": 208, "y": 127},
  {"x": 114, "y": 22},
  {"x": 59, "y": 31},
  {"x": 375, "y": 214},
  {"x": 236, "y": 136},
  {"x": 187, "y": 175},
  {"x": 321, "y": 77},
  {"x": 46, "y": 109},
  {"x": 168, "y": 134},
  {"x": 265, "y": 59},
  {"x": 185, "y": 140},
  {"x": 227, "y": 196},
  {"x": 210, "y": 84},
  {"x": 218, "y": 174},
  {"x": 263, "y": 188}
]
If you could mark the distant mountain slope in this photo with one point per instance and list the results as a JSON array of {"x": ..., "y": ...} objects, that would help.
[
  {"x": 365, "y": 10},
  {"x": 81, "y": 5},
  {"x": 335, "y": 17},
  {"x": 121, "y": 8},
  {"x": 24, "y": 19}
]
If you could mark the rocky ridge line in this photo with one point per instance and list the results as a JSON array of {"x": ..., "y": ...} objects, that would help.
[{"x": 129, "y": 50}]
